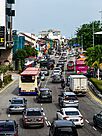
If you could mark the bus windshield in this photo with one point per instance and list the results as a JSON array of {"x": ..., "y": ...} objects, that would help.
[{"x": 27, "y": 79}]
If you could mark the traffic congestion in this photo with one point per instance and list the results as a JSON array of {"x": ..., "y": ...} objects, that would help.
[{"x": 50, "y": 106}]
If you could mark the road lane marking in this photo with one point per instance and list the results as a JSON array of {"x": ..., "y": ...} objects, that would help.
[
  {"x": 46, "y": 123},
  {"x": 49, "y": 123},
  {"x": 87, "y": 121},
  {"x": 43, "y": 113},
  {"x": 94, "y": 128},
  {"x": 9, "y": 115},
  {"x": 45, "y": 118}
]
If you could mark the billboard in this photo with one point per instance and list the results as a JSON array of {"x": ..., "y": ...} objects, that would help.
[{"x": 2, "y": 23}]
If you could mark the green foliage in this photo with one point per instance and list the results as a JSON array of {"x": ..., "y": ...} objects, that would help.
[
  {"x": 7, "y": 79},
  {"x": 3, "y": 69},
  {"x": 97, "y": 83},
  {"x": 85, "y": 33},
  {"x": 94, "y": 56}
]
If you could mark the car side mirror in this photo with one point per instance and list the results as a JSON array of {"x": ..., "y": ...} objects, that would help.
[
  {"x": 58, "y": 111},
  {"x": 9, "y": 100}
]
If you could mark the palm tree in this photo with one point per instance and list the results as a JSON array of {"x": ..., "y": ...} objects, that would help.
[{"x": 94, "y": 57}]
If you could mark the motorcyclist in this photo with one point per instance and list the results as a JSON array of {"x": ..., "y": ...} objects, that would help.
[{"x": 62, "y": 83}]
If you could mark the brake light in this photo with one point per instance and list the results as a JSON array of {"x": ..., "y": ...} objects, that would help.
[{"x": 65, "y": 118}]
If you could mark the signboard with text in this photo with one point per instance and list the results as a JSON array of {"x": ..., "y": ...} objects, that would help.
[{"x": 2, "y": 23}]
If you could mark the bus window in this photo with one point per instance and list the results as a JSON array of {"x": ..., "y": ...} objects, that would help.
[{"x": 28, "y": 79}]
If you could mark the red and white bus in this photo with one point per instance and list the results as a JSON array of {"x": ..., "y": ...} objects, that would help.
[{"x": 29, "y": 81}]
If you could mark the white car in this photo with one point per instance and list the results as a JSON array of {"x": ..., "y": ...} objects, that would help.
[
  {"x": 56, "y": 72},
  {"x": 72, "y": 114},
  {"x": 58, "y": 68}
]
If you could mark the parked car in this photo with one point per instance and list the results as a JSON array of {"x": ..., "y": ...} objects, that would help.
[
  {"x": 72, "y": 114},
  {"x": 97, "y": 119},
  {"x": 45, "y": 95},
  {"x": 68, "y": 99},
  {"x": 44, "y": 71},
  {"x": 33, "y": 117},
  {"x": 8, "y": 128},
  {"x": 17, "y": 105},
  {"x": 62, "y": 128},
  {"x": 56, "y": 78}
]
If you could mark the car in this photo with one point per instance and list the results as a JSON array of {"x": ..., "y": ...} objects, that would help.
[
  {"x": 58, "y": 68},
  {"x": 56, "y": 72},
  {"x": 45, "y": 95},
  {"x": 68, "y": 99},
  {"x": 61, "y": 65},
  {"x": 62, "y": 128},
  {"x": 97, "y": 120},
  {"x": 8, "y": 128},
  {"x": 33, "y": 117},
  {"x": 72, "y": 114},
  {"x": 17, "y": 105},
  {"x": 42, "y": 77},
  {"x": 44, "y": 71},
  {"x": 56, "y": 78}
]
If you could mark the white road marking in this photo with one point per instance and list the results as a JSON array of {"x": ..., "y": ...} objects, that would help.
[
  {"x": 46, "y": 123},
  {"x": 49, "y": 123},
  {"x": 87, "y": 121},
  {"x": 43, "y": 113},
  {"x": 45, "y": 118},
  {"x": 9, "y": 115},
  {"x": 94, "y": 128}
]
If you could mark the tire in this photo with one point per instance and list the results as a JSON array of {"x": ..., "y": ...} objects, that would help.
[{"x": 56, "y": 116}]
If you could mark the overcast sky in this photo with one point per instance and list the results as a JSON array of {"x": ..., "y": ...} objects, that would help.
[{"x": 64, "y": 15}]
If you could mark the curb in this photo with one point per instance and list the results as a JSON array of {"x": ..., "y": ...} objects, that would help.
[{"x": 7, "y": 86}]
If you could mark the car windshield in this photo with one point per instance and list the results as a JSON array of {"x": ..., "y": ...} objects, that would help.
[
  {"x": 17, "y": 102},
  {"x": 6, "y": 127},
  {"x": 67, "y": 131},
  {"x": 33, "y": 113},
  {"x": 72, "y": 113},
  {"x": 71, "y": 97},
  {"x": 45, "y": 92}
]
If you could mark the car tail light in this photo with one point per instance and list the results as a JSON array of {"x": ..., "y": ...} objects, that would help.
[
  {"x": 81, "y": 118},
  {"x": 65, "y": 118}
]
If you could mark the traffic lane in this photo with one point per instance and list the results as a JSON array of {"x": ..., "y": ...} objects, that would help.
[
  {"x": 12, "y": 91},
  {"x": 85, "y": 107}
]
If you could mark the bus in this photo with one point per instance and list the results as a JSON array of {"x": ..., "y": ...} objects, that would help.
[
  {"x": 70, "y": 66},
  {"x": 81, "y": 67},
  {"x": 29, "y": 81}
]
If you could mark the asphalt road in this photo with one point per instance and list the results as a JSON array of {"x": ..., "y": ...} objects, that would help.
[{"x": 88, "y": 107}]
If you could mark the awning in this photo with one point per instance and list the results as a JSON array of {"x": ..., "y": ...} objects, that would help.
[{"x": 98, "y": 32}]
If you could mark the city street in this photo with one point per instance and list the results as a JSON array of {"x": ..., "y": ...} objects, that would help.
[{"x": 88, "y": 107}]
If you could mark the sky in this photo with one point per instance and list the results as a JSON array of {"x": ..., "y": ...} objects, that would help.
[{"x": 67, "y": 16}]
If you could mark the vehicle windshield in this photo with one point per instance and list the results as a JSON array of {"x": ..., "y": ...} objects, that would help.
[
  {"x": 71, "y": 97},
  {"x": 6, "y": 127},
  {"x": 17, "y": 102},
  {"x": 27, "y": 79},
  {"x": 67, "y": 131},
  {"x": 45, "y": 92},
  {"x": 71, "y": 113},
  {"x": 33, "y": 113}
]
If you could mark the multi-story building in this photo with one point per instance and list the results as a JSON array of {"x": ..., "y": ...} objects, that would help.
[{"x": 6, "y": 42}]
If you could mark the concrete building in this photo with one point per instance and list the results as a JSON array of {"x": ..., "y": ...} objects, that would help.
[{"x": 6, "y": 41}]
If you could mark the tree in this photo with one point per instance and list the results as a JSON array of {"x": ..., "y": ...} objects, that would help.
[
  {"x": 94, "y": 57},
  {"x": 85, "y": 34}
]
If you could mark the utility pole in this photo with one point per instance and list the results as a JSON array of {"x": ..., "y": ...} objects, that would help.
[{"x": 93, "y": 33}]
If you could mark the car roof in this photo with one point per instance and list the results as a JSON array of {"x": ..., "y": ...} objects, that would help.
[
  {"x": 17, "y": 98},
  {"x": 6, "y": 121},
  {"x": 70, "y": 109},
  {"x": 63, "y": 123},
  {"x": 43, "y": 89},
  {"x": 69, "y": 93},
  {"x": 33, "y": 109}
]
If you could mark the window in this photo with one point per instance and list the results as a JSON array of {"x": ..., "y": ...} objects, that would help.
[
  {"x": 28, "y": 79},
  {"x": 33, "y": 113}
]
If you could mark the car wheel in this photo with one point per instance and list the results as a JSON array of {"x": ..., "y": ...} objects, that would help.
[{"x": 95, "y": 122}]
